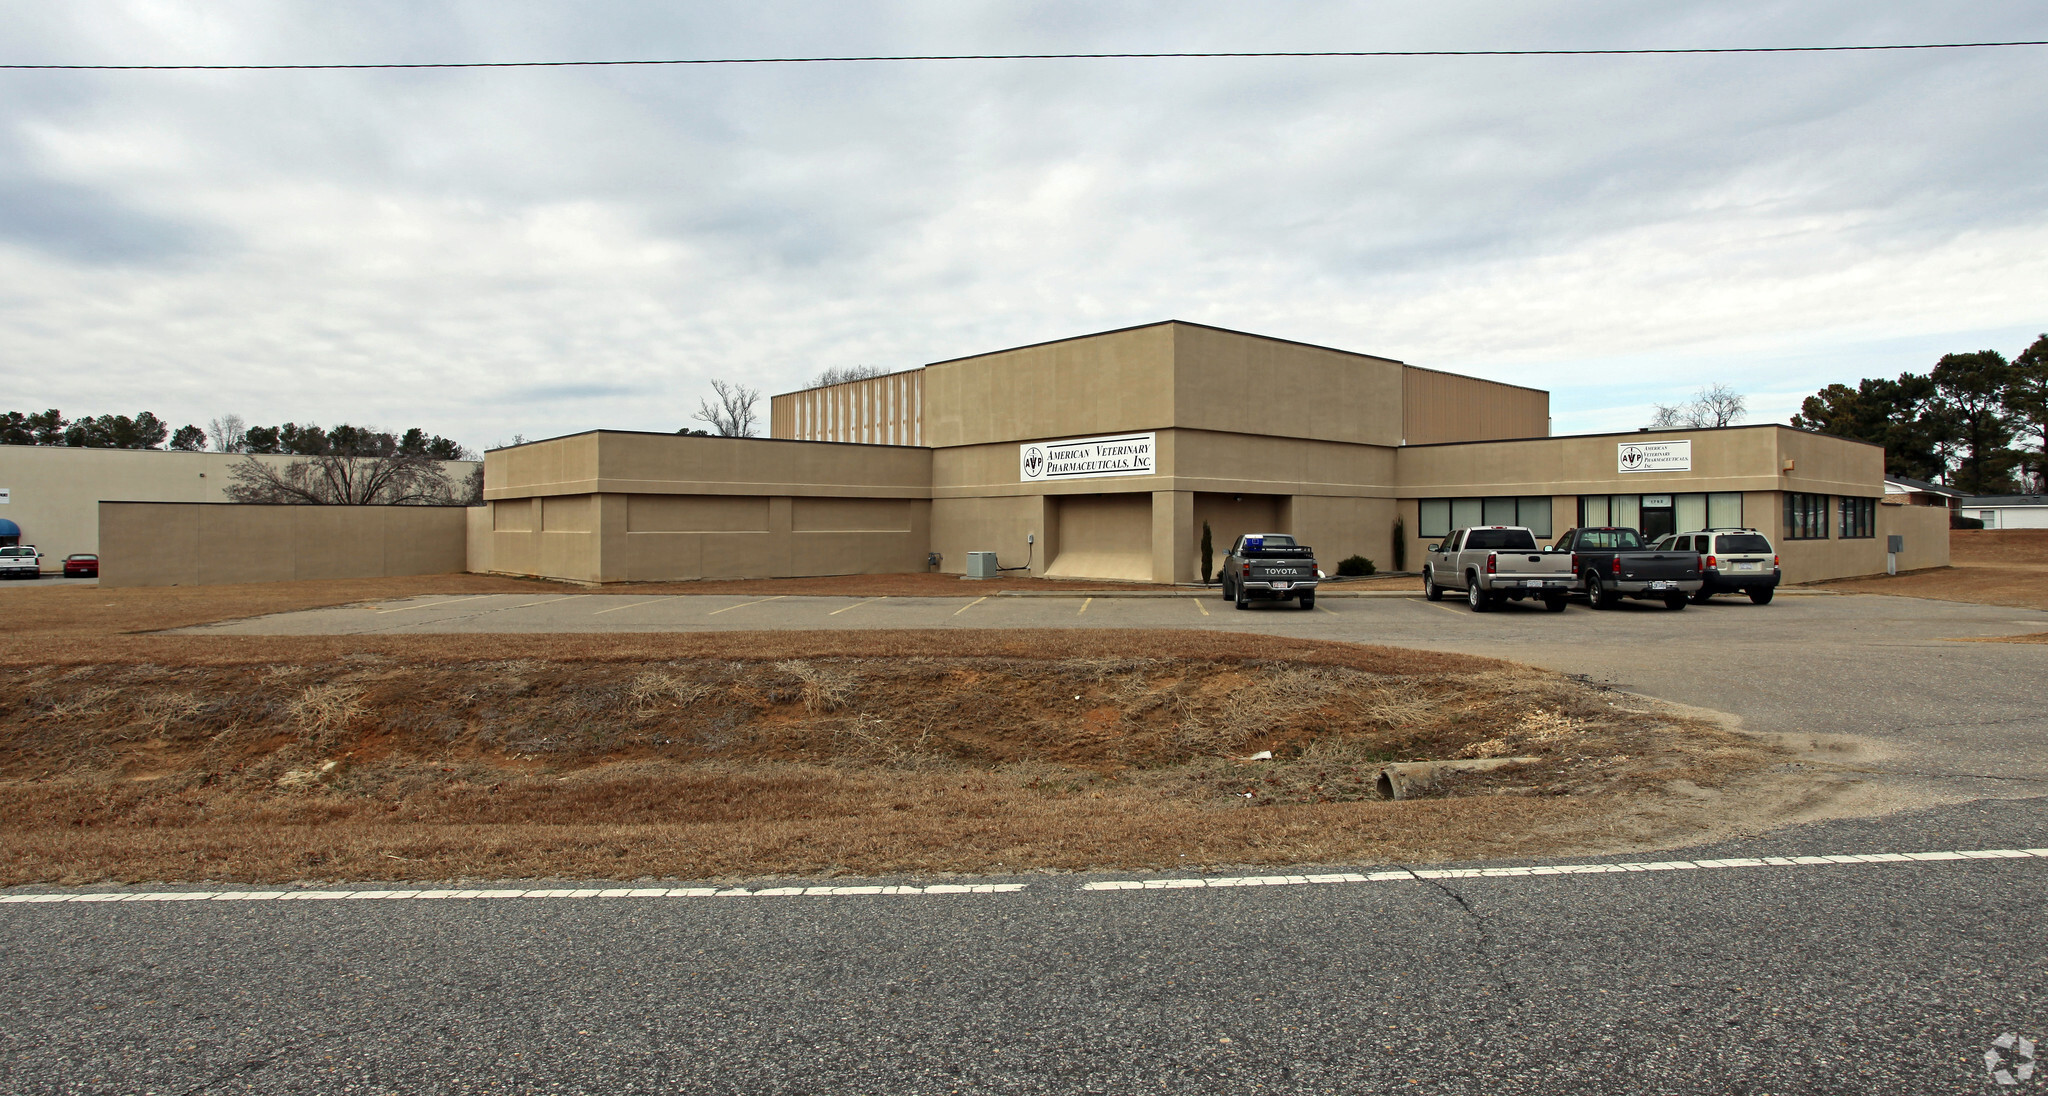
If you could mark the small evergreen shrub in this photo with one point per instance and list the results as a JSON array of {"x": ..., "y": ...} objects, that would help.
[{"x": 1355, "y": 567}]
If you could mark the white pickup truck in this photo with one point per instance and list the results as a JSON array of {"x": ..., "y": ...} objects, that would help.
[
  {"x": 21, "y": 561},
  {"x": 1497, "y": 563}
]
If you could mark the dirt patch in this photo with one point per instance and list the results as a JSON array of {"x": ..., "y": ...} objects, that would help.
[
  {"x": 2006, "y": 567},
  {"x": 812, "y": 753},
  {"x": 1995, "y": 547}
]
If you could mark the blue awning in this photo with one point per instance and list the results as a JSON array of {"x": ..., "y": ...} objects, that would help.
[{"x": 9, "y": 529}]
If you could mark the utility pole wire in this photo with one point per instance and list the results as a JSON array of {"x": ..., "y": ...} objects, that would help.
[{"x": 868, "y": 58}]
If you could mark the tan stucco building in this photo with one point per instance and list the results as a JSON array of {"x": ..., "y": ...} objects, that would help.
[{"x": 1103, "y": 456}]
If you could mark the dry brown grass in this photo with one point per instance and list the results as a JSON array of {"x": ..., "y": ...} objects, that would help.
[
  {"x": 705, "y": 756},
  {"x": 2007, "y": 567}
]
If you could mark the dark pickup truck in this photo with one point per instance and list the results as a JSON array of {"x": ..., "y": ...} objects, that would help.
[
  {"x": 1613, "y": 563},
  {"x": 1270, "y": 566}
]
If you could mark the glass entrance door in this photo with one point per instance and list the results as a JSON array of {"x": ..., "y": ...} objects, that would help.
[{"x": 1658, "y": 521}]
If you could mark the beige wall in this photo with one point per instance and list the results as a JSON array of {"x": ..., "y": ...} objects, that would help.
[
  {"x": 56, "y": 490},
  {"x": 1440, "y": 407},
  {"x": 1097, "y": 384},
  {"x": 1249, "y": 384},
  {"x": 205, "y": 544}
]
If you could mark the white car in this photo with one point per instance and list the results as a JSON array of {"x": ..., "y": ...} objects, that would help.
[
  {"x": 21, "y": 561},
  {"x": 1732, "y": 561}
]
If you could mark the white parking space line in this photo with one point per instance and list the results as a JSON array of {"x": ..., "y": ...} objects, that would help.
[
  {"x": 744, "y": 604},
  {"x": 970, "y": 605},
  {"x": 432, "y": 895},
  {"x": 1326, "y": 609},
  {"x": 1408, "y": 875},
  {"x": 857, "y": 605},
  {"x": 549, "y": 601},
  {"x": 1085, "y": 603},
  {"x": 649, "y": 601},
  {"x": 434, "y": 604},
  {"x": 1200, "y": 606}
]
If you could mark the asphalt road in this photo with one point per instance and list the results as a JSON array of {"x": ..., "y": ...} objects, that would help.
[{"x": 1863, "y": 977}]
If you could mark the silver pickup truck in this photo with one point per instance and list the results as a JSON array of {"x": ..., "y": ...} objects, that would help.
[{"x": 1497, "y": 563}]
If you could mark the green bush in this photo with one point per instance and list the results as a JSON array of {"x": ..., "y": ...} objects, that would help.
[{"x": 1355, "y": 566}]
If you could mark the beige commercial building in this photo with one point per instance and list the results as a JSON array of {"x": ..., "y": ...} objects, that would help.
[{"x": 1103, "y": 456}]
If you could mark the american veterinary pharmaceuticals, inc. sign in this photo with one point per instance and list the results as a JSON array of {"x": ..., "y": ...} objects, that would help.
[{"x": 1087, "y": 458}]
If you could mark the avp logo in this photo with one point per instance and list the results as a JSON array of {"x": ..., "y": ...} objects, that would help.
[
  {"x": 1631, "y": 457},
  {"x": 2010, "y": 1059},
  {"x": 1034, "y": 463}
]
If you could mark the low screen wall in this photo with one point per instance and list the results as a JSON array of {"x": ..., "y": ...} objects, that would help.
[{"x": 208, "y": 544}]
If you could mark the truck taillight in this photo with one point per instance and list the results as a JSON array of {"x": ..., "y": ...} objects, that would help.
[
  {"x": 1575, "y": 563},
  {"x": 1489, "y": 562},
  {"x": 1247, "y": 570},
  {"x": 1615, "y": 565}
]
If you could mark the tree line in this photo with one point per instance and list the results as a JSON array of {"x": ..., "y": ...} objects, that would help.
[
  {"x": 227, "y": 434},
  {"x": 1977, "y": 422}
]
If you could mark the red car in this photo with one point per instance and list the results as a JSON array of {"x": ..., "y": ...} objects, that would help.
[{"x": 81, "y": 565}]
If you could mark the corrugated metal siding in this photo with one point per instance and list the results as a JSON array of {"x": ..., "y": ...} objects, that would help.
[
  {"x": 886, "y": 410},
  {"x": 1440, "y": 407}
]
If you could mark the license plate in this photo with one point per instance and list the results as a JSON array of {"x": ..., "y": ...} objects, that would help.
[
  {"x": 1749, "y": 566},
  {"x": 1660, "y": 586},
  {"x": 1282, "y": 585}
]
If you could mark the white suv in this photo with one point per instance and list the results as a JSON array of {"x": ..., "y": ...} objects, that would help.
[
  {"x": 1732, "y": 561},
  {"x": 21, "y": 561}
]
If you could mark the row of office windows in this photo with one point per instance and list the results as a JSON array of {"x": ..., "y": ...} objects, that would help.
[
  {"x": 1655, "y": 515},
  {"x": 1806, "y": 517}
]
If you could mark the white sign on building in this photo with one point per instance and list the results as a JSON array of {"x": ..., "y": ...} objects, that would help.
[
  {"x": 1087, "y": 458},
  {"x": 6, "y": 494},
  {"x": 1654, "y": 456}
]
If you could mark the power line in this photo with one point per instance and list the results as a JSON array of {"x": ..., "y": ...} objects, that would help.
[{"x": 871, "y": 58}]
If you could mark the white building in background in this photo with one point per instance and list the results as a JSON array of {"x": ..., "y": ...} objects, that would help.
[{"x": 2007, "y": 511}]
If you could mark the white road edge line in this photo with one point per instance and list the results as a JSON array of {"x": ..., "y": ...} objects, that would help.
[
  {"x": 605, "y": 892},
  {"x": 431, "y": 604},
  {"x": 1406, "y": 875}
]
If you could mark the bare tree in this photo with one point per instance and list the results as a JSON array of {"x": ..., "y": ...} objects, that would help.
[
  {"x": 229, "y": 433},
  {"x": 1718, "y": 405},
  {"x": 841, "y": 374},
  {"x": 396, "y": 479},
  {"x": 733, "y": 415}
]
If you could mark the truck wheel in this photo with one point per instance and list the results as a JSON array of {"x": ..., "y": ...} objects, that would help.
[
  {"x": 1227, "y": 595},
  {"x": 1430, "y": 589},
  {"x": 1598, "y": 594},
  {"x": 1242, "y": 601},
  {"x": 1476, "y": 597},
  {"x": 1308, "y": 601},
  {"x": 1763, "y": 596},
  {"x": 1677, "y": 601},
  {"x": 1702, "y": 596},
  {"x": 1554, "y": 602}
]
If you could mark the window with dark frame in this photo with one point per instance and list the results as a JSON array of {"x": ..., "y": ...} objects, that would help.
[
  {"x": 1806, "y": 516},
  {"x": 1858, "y": 518}
]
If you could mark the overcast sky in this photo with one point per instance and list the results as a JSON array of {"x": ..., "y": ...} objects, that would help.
[{"x": 541, "y": 251}]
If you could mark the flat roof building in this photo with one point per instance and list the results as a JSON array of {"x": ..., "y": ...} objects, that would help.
[{"x": 1105, "y": 455}]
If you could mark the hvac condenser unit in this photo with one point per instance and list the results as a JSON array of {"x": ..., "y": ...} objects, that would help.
[{"x": 981, "y": 565}]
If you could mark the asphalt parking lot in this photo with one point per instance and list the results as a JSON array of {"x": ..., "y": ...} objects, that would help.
[{"x": 1964, "y": 716}]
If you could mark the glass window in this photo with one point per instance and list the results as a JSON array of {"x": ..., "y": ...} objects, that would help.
[
  {"x": 1499, "y": 511},
  {"x": 1859, "y": 518},
  {"x": 1690, "y": 511},
  {"x": 1435, "y": 518},
  {"x": 1620, "y": 539},
  {"x": 1534, "y": 512},
  {"x": 1465, "y": 513},
  {"x": 1806, "y": 516},
  {"x": 1744, "y": 544},
  {"x": 1724, "y": 510},
  {"x": 1513, "y": 540},
  {"x": 1593, "y": 510},
  {"x": 1627, "y": 510}
]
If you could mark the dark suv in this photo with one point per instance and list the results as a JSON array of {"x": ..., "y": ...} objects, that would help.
[{"x": 1732, "y": 561}]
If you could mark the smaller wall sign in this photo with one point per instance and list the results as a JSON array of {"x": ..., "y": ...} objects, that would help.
[
  {"x": 1656, "y": 502},
  {"x": 1654, "y": 456},
  {"x": 5, "y": 492},
  {"x": 1087, "y": 458}
]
